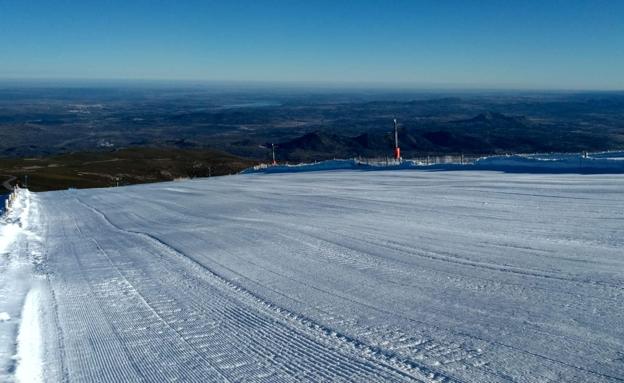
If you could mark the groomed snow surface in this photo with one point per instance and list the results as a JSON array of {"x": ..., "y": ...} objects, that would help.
[{"x": 461, "y": 276}]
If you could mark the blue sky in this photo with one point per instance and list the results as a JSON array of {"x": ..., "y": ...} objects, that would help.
[{"x": 473, "y": 44}]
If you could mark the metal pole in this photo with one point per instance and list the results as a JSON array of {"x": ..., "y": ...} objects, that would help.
[
  {"x": 396, "y": 135},
  {"x": 397, "y": 150},
  {"x": 273, "y": 149}
]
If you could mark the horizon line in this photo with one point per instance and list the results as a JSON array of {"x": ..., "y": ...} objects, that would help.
[{"x": 311, "y": 84}]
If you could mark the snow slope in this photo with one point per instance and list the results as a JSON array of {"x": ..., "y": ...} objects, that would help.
[
  {"x": 336, "y": 276},
  {"x": 594, "y": 163},
  {"x": 604, "y": 162}
]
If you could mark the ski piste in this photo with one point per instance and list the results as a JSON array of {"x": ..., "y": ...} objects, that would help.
[{"x": 452, "y": 276}]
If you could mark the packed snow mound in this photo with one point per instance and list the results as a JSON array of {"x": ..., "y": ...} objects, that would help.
[
  {"x": 606, "y": 162},
  {"x": 20, "y": 253}
]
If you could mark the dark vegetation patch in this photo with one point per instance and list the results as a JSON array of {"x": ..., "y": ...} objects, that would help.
[{"x": 123, "y": 167}]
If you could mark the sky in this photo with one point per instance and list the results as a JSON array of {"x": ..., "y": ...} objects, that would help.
[{"x": 519, "y": 44}]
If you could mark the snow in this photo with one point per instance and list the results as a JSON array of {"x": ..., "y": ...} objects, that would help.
[
  {"x": 306, "y": 167},
  {"x": 8, "y": 232},
  {"x": 347, "y": 275},
  {"x": 29, "y": 349},
  {"x": 598, "y": 162},
  {"x": 20, "y": 336},
  {"x": 603, "y": 162}
]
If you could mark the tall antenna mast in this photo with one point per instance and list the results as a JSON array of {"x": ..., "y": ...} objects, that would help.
[
  {"x": 397, "y": 150},
  {"x": 273, "y": 150}
]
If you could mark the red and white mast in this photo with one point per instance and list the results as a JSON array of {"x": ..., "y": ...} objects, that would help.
[
  {"x": 273, "y": 151},
  {"x": 397, "y": 150}
]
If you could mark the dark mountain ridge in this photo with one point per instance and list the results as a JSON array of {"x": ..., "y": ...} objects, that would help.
[{"x": 486, "y": 133}]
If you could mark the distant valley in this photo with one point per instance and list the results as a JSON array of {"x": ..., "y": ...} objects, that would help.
[{"x": 305, "y": 124}]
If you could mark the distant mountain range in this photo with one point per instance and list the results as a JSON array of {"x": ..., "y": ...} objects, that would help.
[
  {"x": 483, "y": 134},
  {"x": 306, "y": 125}
]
